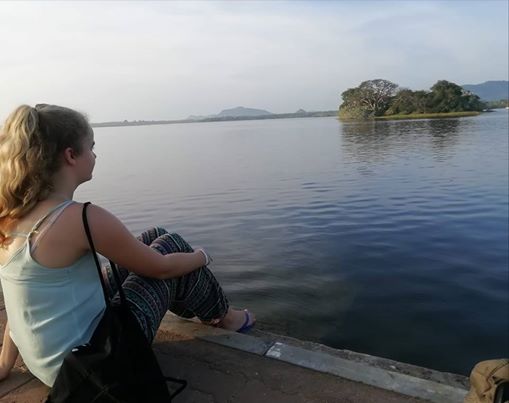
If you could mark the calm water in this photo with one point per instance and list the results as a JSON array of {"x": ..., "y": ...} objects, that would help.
[{"x": 389, "y": 238}]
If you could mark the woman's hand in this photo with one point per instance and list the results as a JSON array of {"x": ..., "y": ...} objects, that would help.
[{"x": 208, "y": 259}]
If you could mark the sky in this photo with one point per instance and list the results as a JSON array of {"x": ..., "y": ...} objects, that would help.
[{"x": 170, "y": 59}]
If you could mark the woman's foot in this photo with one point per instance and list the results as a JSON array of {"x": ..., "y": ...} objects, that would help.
[{"x": 237, "y": 320}]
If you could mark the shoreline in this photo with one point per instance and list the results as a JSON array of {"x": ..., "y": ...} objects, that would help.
[
  {"x": 428, "y": 116},
  {"x": 317, "y": 114}
]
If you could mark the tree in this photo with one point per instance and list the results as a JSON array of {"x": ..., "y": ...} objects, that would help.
[
  {"x": 444, "y": 97},
  {"x": 371, "y": 98},
  {"x": 407, "y": 101},
  {"x": 403, "y": 103},
  {"x": 502, "y": 103},
  {"x": 377, "y": 94},
  {"x": 420, "y": 101},
  {"x": 352, "y": 107},
  {"x": 449, "y": 97},
  {"x": 471, "y": 102}
]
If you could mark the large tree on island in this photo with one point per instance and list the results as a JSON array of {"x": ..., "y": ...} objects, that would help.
[
  {"x": 407, "y": 101},
  {"x": 449, "y": 97},
  {"x": 371, "y": 98}
]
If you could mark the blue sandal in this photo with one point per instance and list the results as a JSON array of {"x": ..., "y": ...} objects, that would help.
[{"x": 246, "y": 326}]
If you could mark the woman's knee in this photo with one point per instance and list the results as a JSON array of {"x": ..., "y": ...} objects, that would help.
[
  {"x": 181, "y": 243},
  {"x": 171, "y": 243},
  {"x": 150, "y": 235},
  {"x": 157, "y": 231}
]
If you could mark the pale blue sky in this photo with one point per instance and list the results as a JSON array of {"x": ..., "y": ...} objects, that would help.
[{"x": 167, "y": 60}]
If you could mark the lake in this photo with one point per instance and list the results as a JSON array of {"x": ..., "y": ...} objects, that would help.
[{"x": 387, "y": 238}]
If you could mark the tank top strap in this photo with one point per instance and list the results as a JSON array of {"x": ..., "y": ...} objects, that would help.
[
  {"x": 45, "y": 216},
  {"x": 58, "y": 210},
  {"x": 14, "y": 234}
]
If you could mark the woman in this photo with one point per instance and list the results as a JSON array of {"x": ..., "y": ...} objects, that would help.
[{"x": 53, "y": 296}]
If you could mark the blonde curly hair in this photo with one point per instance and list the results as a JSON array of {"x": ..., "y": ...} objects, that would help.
[{"x": 31, "y": 142}]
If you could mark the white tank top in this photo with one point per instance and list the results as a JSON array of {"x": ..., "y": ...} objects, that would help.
[{"x": 50, "y": 311}]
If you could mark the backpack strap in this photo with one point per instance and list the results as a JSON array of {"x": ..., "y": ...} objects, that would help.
[{"x": 96, "y": 259}]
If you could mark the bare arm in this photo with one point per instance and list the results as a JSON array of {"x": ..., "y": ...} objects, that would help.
[
  {"x": 8, "y": 355},
  {"x": 114, "y": 241}
]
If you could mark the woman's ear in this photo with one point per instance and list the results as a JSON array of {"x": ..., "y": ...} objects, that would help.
[{"x": 69, "y": 156}]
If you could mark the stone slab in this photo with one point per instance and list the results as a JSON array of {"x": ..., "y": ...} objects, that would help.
[
  {"x": 224, "y": 375},
  {"x": 31, "y": 392},
  {"x": 447, "y": 378},
  {"x": 390, "y": 375},
  {"x": 359, "y": 372},
  {"x": 18, "y": 377},
  {"x": 226, "y": 338}
]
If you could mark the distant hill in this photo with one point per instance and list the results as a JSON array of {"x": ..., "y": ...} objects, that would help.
[
  {"x": 301, "y": 113},
  {"x": 490, "y": 90},
  {"x": 241, "y": 111},
  {"x": 196, "y": 117}
]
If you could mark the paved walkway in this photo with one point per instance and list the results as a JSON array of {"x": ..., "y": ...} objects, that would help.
[{"x": 224, "y": 367}]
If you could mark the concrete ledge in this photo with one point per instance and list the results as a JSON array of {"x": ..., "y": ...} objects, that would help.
[
  {"x": 446, "y": 378},
  {"x": 390, "y": 375},
  {"x": 359, "y": 372},
  {"x": 191, "y": 329}
]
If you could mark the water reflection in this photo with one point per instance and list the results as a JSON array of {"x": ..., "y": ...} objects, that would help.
[
  {"x": 375, "y": 141},
  {"x": 365, "y": 142},
  {"x": 444, "y": 134},
  {"x": 442, "y": 127}
]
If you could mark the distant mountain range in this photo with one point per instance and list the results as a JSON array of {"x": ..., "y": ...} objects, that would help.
[
  {"x": 238, "y": 113},
  {"x": 241, "y": 111},
  {"x": 490, "y": 90},
  {"x": 234, "y": 113}
]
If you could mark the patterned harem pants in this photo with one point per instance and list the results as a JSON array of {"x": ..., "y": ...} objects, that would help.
[{"x": 195, "y": 294}]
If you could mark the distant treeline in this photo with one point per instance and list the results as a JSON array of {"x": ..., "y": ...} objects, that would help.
[
  {"x": 379, "y": 97},
  {"x": 502, "y": 103},
  {"x": 217, "y": 119},
  {"x": 273, "y": 116}
]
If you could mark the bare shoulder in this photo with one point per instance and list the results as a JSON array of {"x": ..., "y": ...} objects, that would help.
[
  {"x": 105, "y": 227},
  {"x": 93, "y": 211},
  {"x": 99, "y": 219},
  {"x": 67, "y": 234}
]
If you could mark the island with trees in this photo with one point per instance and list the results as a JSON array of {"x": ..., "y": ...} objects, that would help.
[{"x": 383, "y": 99}]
